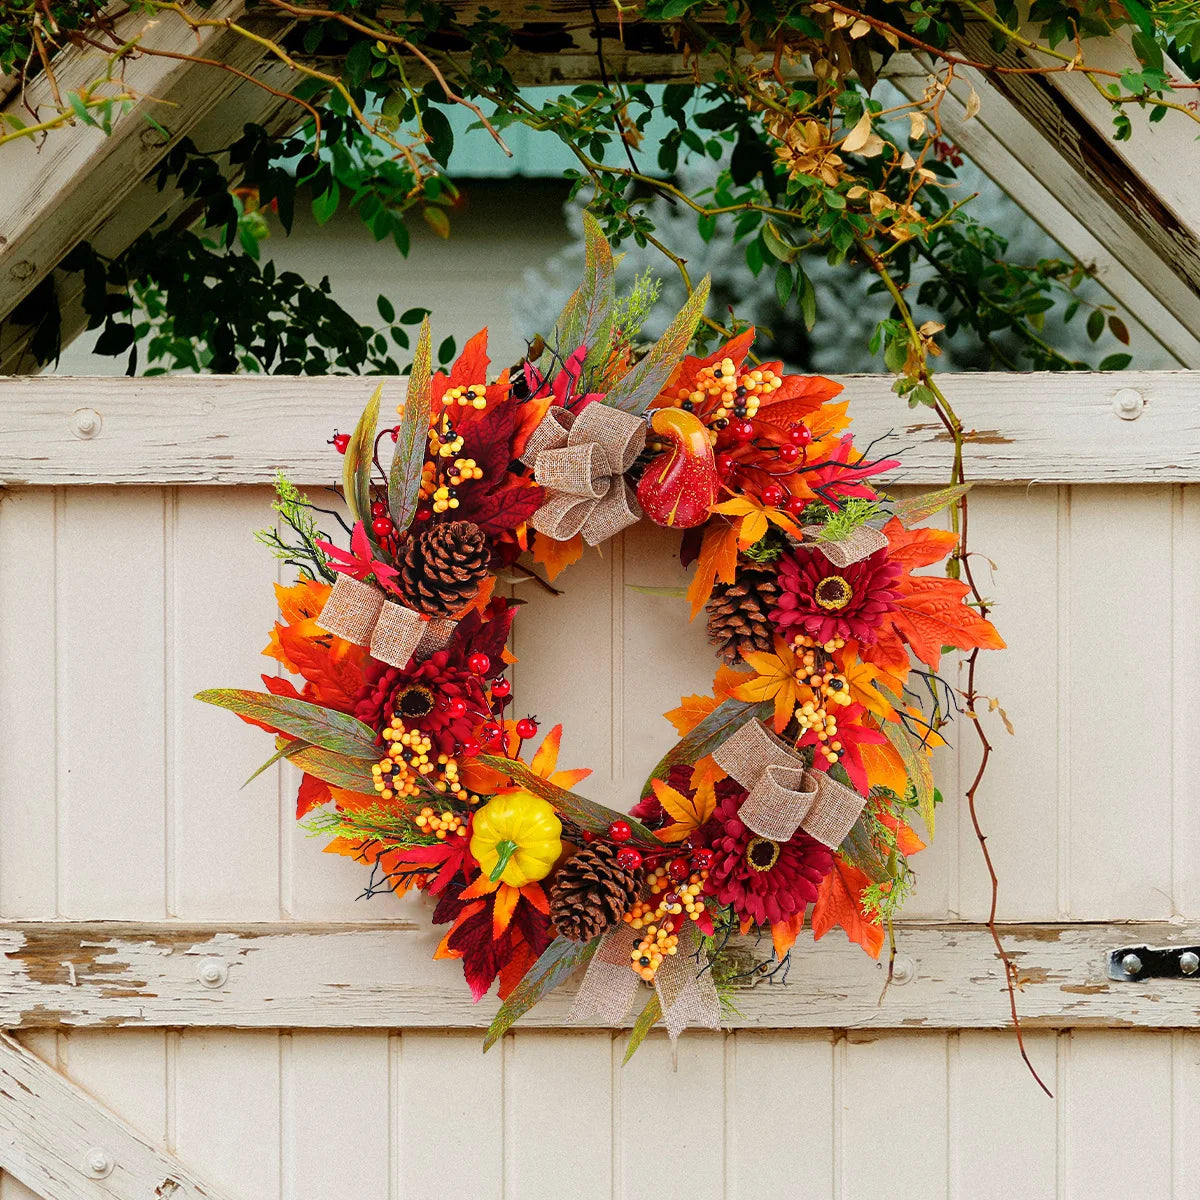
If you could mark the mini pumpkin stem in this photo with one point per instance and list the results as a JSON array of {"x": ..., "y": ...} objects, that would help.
[{"x": 505, "y": 849}]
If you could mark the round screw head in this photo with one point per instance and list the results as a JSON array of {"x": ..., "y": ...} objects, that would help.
[
  {"x": 1128, "y": 404},
  {"x": 98, "y": 1162},
  {"x": 213, "y": 972},
  {"x": 904, "y": 970},
  {"x": 1189, "y": 962},
  {"x": 86, "y": 423},
  {"x": 1131, "y": 964}
]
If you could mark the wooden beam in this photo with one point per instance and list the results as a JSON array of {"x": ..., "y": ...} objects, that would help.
[
  {"x": 1141, "y": 197},
  {"x": 147, "y": 203},
  {"x": 995, "y": 140},
  {"x": 57, "y": 197},
  {"x": 1050, "y": 428},
  {"x": 63, "y": 1145},
  {"x": 75, "y": 975}
]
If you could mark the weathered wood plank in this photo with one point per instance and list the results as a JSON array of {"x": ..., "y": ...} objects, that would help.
[
  {"x": 1000, "y": 141},
  {"x": 63, "y": 1145},
  {"x": 81, "y": 975},
  {"x": 1048, "y": 428},
  {"x": 1142, "y": 189},
  {"x": 56, "y": 199}
]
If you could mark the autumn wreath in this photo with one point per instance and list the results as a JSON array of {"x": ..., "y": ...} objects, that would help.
[{"x": 793, "y": 784}]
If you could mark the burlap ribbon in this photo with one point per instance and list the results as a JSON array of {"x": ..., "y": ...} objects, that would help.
[
  {"x": 858, "y": 544},
  {"x": 686, "y": 992},
  {"x": 581, "y": 461},
  {"x": 362, "y": 614},
  {"x": 783, "y": 795}
]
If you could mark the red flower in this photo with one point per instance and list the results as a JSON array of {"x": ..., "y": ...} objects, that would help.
[
  {"x": 828, "y": 602},
  {"x": 424, "y": 694},
  {"x": 764, "y": 881}
]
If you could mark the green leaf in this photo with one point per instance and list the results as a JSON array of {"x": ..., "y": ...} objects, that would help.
[
  {"x": 441, "y": 136},
  {"x": 288, "y": 747},
  {"x": 916, "y": 509},
  {"x": 325, "y": 205},
  {"x": 778, "y": 245},
  {"x": 1095, "y": 324},
  {"x": 634, "y": 391},
  {"x": 587, "y": 814},
  {"x": 808, "y": 301},
  {"x": 559, "y": 961},
  {"x": 358, "y": 459},
  {"x": 675, "y": 593},
  {"x": 785, "y": 282},
  {"x": 404, "y": 478},
  {"x": 729, "y": 715},
  {"x": 314, "y": 723},
  {"x": 646, "y": 1021},
  {"x": 436, "y": 219},
  {"x": 590, "y": 319},
  {"x": 1116, "y": 362},
  {"x": 353, "y": 774}
]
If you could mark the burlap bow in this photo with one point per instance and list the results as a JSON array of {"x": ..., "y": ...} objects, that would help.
[
  {"x": 858, "y": 544},
  {"x": 581, "y": 461},
  {"x": 686, "y": 992},
  {"x": 362, "y": 614},
  {"x": 783, "y": 795}
]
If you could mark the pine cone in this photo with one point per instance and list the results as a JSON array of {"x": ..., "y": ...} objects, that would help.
[
  {"x": 737, "y": 613},
  {"x": 591, "y": 892},
  {"x": 443, "y": 566}
]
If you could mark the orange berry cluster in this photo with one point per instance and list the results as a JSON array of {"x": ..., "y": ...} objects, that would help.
[
  {"x": 474, "y": 394},
  {"x": 464, "y": 470},
  {"x": 656, "y": 918},
  {"x": 440, "y": 824},
  {"x": 648, "y": 954},
  {"x": 721, "y": 393},
  {"x": 684, "y": 898},
  {"x": 830, "y": 691},
  {"x": 409, "y": 758}
]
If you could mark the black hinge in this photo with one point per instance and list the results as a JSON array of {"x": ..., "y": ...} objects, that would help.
[{"x": 1131, "y": 963}]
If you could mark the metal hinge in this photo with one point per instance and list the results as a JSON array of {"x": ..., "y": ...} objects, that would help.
[{"x": 1154, "y": 962}]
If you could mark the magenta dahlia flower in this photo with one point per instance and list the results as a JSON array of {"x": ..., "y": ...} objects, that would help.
[
  {"x": 764, "y": 881},
  {"x": 826, "y": 602}
]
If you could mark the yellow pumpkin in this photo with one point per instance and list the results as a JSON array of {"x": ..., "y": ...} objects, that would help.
[{"x": 516, "y": 838}]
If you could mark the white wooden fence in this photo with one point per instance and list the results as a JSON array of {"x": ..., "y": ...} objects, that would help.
[{"x": 246, "y": 1014}]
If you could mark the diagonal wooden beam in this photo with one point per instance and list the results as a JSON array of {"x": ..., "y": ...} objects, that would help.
[
  {"x": 996, "y": 139},
  {"x": 58, "y": 193},
  {"x": 64, "y": 1145},
  {"x": 147, "y": 204},
  {"x": 1140, "y": 198}
]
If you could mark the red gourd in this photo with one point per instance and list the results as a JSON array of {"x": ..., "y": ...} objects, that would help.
[{"x": 680, "y": 485}]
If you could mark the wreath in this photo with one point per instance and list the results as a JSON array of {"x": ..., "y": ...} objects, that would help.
[{"x": 793, "y": 785}]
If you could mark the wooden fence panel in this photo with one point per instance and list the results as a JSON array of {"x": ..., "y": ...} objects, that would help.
[{"x": 120, "y": 798}]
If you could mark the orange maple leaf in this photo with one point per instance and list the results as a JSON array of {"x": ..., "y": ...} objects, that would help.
[
  {"x": 884, "y": 766},
  {"x": 687, "y": 813},
  {"x": 907, "y": 840},
  {"x": 784, "y": 933},
  {"x": 691, "y": 711},
  {"x": 718, "y": 560},
  {"x": 839, "y": 903},
  {"x": 930, "y": 612},
  {"x": 797, "y": 399},
  {"x": 726, "y": 679},
  {"x": 775, "y": 680},
  {"x": 556, "y": 557}
]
